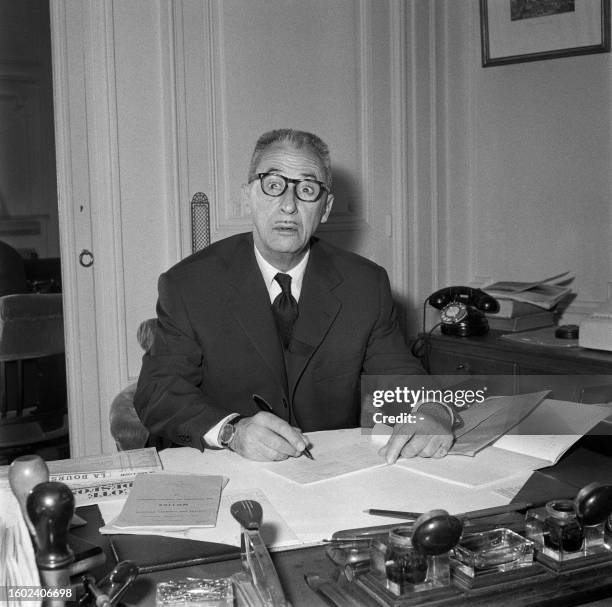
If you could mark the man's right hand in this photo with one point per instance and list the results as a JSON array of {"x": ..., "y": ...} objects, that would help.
[{"x": 266, "y": 437}]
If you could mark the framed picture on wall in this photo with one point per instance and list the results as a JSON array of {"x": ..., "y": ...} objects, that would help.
[{"x": 514, "y": 31}]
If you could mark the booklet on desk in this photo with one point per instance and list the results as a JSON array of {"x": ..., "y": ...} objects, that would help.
[{"x": 169, "y": 502}]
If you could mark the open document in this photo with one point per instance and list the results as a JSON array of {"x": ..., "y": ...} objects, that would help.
[
  {"x": 483, "y": 424},
  {"x": 537, "y": 441}
]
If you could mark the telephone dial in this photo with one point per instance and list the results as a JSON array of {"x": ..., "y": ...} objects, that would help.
[{"x": 462, "y": 310}]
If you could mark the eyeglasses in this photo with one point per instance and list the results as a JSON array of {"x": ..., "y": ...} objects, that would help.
[{"x": 306, "y": 190}]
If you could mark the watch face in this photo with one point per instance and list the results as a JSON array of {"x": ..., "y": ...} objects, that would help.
[{"x": 226, "y": 434}]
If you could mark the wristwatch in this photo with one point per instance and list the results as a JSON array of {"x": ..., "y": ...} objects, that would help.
[{"x": 228, "y": 431}]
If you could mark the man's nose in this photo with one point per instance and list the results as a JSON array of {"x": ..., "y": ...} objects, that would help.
[{"x": 288, "y": 200}]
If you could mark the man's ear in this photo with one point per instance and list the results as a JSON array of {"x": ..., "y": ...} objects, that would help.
[{"x": 329, "y": 203}]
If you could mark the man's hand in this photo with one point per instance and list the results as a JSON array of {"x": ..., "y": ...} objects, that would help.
[
  {"x": 266, "y": 437},
  {"x": 429, "y": 437}
]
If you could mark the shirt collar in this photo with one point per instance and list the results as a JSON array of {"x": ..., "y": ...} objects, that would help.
[{"x": 268, "y": 271}]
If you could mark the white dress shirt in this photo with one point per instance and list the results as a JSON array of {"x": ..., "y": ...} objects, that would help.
[{"x": 268, "y": 271}]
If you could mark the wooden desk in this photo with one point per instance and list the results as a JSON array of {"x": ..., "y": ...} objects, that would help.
[
  {"x": 579, "y": 467},
  {"x": 525, "y": 367}
]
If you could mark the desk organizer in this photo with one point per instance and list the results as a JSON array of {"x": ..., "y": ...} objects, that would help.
[{"x": 562, "y": 551}]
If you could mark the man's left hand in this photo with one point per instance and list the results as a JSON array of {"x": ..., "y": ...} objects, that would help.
[{"x": 428, "y": 437}]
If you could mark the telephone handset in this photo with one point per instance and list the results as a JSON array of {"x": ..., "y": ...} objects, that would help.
[{"x": 462, "y": 310}]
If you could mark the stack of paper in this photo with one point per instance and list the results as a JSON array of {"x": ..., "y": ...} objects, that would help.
[
  {"x": 98, "y": 478},
  {"x": 543, "y": 293}
]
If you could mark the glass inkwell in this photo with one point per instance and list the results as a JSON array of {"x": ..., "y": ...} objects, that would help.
[
  {"x": 608, "y": 533},
  {"x": 566, "y": 530},
  {"x": 490, "y": 557},
  {"x": 413, "y": 558},
  {"x": 405, "y": 565}
]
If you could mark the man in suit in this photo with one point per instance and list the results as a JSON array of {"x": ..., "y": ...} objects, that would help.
[{"x": 280, "y": 314}]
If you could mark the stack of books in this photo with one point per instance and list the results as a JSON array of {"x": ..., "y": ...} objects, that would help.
[{"x": 525, "y": 305}]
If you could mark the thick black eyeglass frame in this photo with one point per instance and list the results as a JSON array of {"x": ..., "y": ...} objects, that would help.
[{"x": 287, "y": 181}]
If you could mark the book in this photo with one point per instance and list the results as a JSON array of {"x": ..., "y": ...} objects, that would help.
[
  {"x": 166, "y": 501},
  {"x": 509, "y": 308},
  {"x": 544, "y": 318}
]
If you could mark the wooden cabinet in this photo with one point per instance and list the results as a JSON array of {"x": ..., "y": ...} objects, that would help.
[{"x": 526, "y": 367}]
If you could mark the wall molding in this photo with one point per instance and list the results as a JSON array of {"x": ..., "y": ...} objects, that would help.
[
  {"x": 105, "y": 205},
  {"x": 78, "y": 411},
  {"x": 401, "y": 249}
]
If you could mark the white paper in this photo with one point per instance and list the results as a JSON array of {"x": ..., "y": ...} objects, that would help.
[
  {"x": 551, "y": 429},
  {"x": 102, "y": 468},
  {"x": 307, "y": 514},
  {"x": 330, "y": 461},
  {"x": 488, "y": 467},
  {"x": 97, "y": 478}
]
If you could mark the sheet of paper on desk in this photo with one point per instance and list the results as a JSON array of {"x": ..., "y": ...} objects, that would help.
[
  {"x": 171, "y": 502},
  {"x": 332, "y": 459},
  {"x": 486, "y": 468}
]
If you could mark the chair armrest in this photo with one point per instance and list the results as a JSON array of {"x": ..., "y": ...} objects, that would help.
[{"x": 125, "y": 425}]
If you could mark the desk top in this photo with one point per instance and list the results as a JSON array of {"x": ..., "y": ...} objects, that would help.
[{"x": 579, "y": 467}]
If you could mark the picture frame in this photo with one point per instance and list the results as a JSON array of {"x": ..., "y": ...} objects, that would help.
[{"x": 515, "y": 31}]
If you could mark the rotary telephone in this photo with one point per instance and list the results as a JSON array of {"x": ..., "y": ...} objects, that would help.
[{"x": 462, "y": 310}]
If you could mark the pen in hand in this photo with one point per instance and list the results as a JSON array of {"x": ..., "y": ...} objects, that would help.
[{"x": 264, "y": 405}]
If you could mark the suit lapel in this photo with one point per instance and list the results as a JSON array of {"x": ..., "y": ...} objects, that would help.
[
  {"x": 318, "y": 308},
  {"x": 251, "y": 308}
]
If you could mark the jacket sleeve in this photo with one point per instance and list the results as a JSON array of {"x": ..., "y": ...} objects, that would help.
[
  {"x": 387, "y": 352},
  {"x": 168, "y": 399}
]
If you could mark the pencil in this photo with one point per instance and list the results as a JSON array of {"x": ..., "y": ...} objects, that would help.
[
  {"x": 394, "y": 513},
  {"x": 264, "y": 405},
  {"x": 473, "y": 514}
]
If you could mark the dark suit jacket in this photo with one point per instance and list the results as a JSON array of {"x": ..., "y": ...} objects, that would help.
[{"x": 216, "y": 342}]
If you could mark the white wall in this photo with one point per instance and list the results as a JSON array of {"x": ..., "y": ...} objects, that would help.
[{"x": 526, "y": 178}]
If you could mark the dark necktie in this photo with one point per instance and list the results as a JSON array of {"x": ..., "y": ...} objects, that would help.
[{"x": 285, "y": 309}]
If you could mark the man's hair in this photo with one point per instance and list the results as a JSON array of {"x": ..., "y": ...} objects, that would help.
[{"x": 299, "y": 140}]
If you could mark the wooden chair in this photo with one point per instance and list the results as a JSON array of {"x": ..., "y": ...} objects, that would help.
[{"x": 33, "y": 408}]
